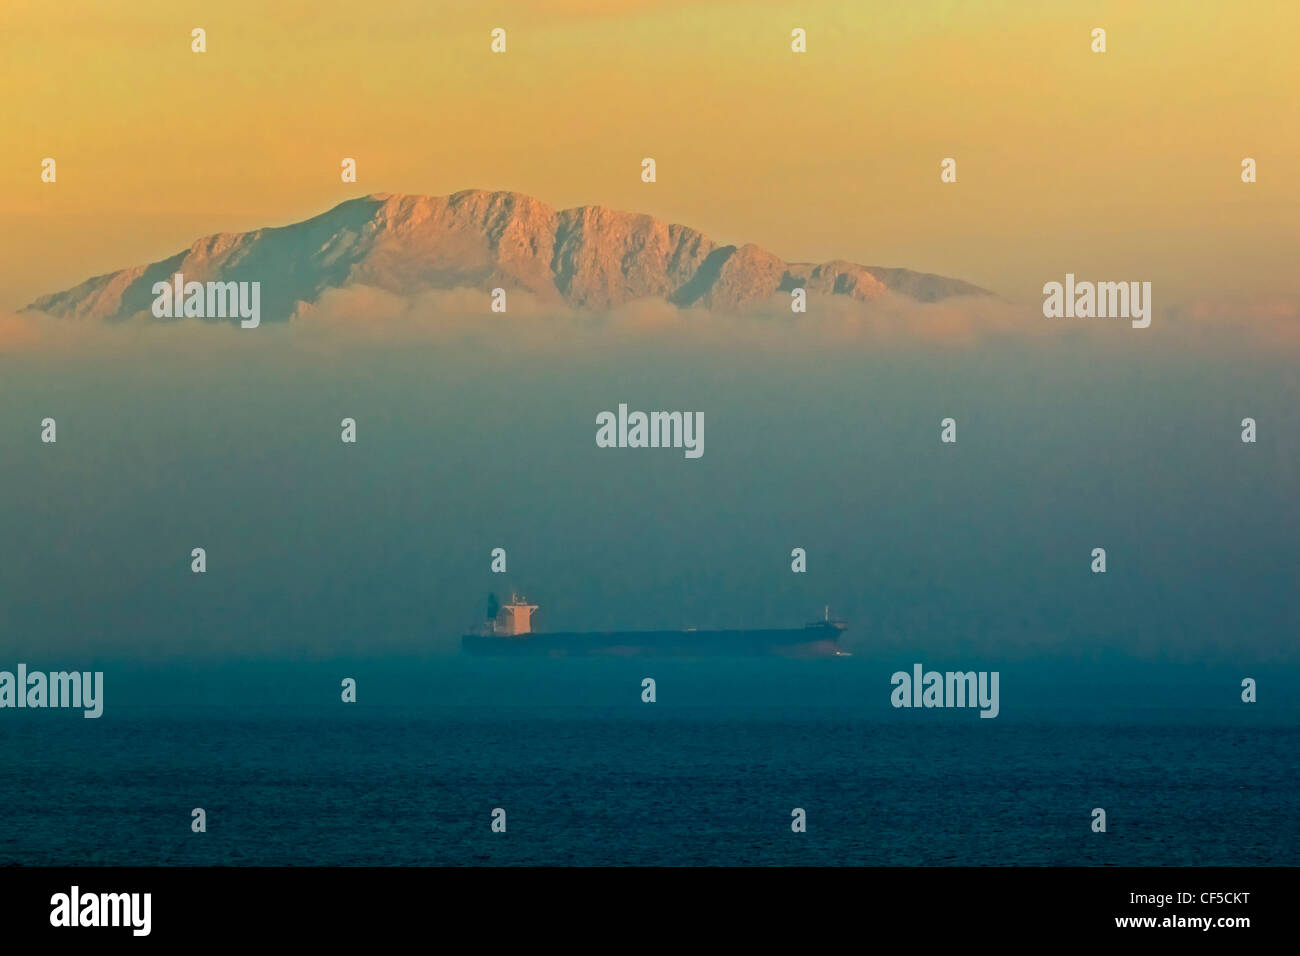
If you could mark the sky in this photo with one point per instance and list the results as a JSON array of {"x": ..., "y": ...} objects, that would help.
[{"x": 1122, "y": 165}]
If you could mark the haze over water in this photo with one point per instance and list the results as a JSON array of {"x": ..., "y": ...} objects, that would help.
[
  {"x": 318, "y": 548},
  {"x": 327, "y": 560}
]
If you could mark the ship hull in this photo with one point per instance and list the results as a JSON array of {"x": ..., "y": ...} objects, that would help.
[{"x": 812, "y": 641}]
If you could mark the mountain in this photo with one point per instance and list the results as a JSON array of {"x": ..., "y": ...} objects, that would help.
[{"x": 589, "y": 258}]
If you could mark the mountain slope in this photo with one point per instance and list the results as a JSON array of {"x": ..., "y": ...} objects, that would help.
[{"x": 589, "y": 258}]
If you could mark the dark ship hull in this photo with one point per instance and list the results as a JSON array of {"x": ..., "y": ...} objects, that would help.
[{"x": 820, "y": 639}]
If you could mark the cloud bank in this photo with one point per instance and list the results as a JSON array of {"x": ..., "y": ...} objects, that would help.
[{"x": 366, "y": 317}]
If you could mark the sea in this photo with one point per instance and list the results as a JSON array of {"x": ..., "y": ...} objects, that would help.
[{"x": 582, "y": 770}]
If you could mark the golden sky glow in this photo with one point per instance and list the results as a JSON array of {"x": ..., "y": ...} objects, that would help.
[{"x": 1123, "y": 165}]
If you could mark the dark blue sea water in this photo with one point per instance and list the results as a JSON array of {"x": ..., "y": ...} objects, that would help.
[{"x": 708, "y": 774}]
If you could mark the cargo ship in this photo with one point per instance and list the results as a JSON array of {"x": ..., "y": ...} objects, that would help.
[{"x": 508, "y": 632}]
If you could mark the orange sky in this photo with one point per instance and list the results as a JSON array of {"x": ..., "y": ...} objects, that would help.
[{"x": 1123, "y": 165}]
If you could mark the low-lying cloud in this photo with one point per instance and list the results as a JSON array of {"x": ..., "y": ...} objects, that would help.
[{"x": 367, "y": 317}]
